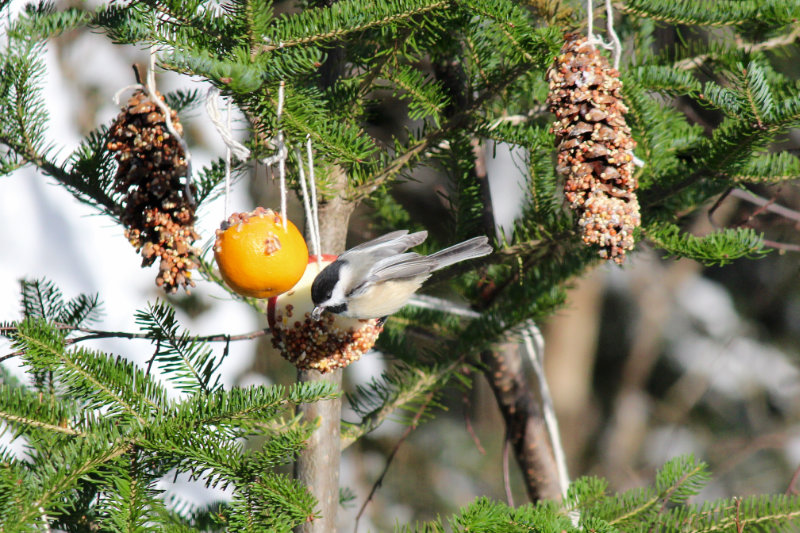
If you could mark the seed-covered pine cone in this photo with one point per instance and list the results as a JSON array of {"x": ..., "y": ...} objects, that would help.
[
  {"x": 158, "y": 216},
  {"x": 595, "y": 147}
]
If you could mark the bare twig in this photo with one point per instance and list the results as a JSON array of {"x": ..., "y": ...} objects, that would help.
[
  {"x": 791, "y": 488},
  {"x": 378, "y": 482},
  {"x": 764, "y": 205},
  {"x": 102, "y": 334},
  {"x": 767, "y": 204},
  {"x": 506, "y": 473},
  {"x": 524, "y": 420},
  {"x": 776, "y": 42},
  {"x": 716, "y": 206},
  {"x": 468, "y": 425}
]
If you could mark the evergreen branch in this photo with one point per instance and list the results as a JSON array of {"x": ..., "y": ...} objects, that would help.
[
  {"x": 718, "y": 248},
  {"x": 687, "y": 475},
  {"x": 727, "y": 152},
  {"x": 71, "y": 364},
  {"x": 748, "y": 48},
  {"x": 103, "y": 334},
  {"x": 343, "y": 18},
  {"x": 720, "y": 13},
  {"x": 422, "y": 383},
  {"x": 68, "y": 474},
  {"x": 16, "y": 419},
  {"x": 188, "y": 362},
  {"x": 509, "y": 18},
  {"x": 431, "y": 140},
  {"x": 71, "y": 181}
]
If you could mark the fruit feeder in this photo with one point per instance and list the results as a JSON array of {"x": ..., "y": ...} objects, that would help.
[{"x": 258, "y": 255}]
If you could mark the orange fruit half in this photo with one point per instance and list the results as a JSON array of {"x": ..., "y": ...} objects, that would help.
[{"x": 257, "y": 257}]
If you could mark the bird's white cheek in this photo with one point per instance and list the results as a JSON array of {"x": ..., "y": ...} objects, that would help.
[{"x": 383, "y": 299}]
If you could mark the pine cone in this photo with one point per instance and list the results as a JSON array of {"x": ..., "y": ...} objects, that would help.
[
  {"x": 158, "y": 216},
  {"x": 595, "y": 147}
]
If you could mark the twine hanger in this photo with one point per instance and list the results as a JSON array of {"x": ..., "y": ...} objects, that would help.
[{"x": 281, "y": 153}]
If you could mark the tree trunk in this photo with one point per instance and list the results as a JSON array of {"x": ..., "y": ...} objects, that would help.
[{"x": 318, "y": 465}]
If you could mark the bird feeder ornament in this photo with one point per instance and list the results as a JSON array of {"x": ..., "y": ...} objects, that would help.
[
  {"x": 324, "y": 345},
  {"x": 259, "y": 254},
  {"x": 158, "y": 209},
  {"x": 595, "y": 147}
]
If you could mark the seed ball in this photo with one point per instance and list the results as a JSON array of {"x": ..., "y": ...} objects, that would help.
[{"x": 327, "y": 344}]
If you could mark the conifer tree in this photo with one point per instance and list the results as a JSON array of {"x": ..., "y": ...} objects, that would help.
[{"x": 613, "y": 163}]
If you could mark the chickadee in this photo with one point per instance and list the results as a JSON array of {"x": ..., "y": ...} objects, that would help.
[{"x": 375, "y": 279}]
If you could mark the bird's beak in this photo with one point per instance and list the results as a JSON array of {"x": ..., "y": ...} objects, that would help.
[{"x": 317, "y": 313}]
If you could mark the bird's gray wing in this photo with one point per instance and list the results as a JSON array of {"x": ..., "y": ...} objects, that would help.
[
  {"x": 406, "y": 265},
  {"x": 396, "y": 267},
  {"x": 387, "y": 245}
]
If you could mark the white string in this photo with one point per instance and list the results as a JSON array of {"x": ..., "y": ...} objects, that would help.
[
  {"x": 616, "y": 44},
  {"x": 307, "y": 205},
  {"x": 187, "y": 156},
  {"x": 281, "y": 153},
  {"x": 424, "y": 301},
  {"x": 228, "y": 163},
  {"x": 118, "y": 94},
  {"x": 224, "y": 129},
  {"x": 591, "y": 38},
  {"x": 316, "y": 240},
  {"x": 533, "y": 347},
  {"x": 533, "y": 342}
]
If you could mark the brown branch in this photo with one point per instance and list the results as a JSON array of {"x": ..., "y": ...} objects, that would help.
[
  {"x": 102, "y": 334},
  {"x": 791, "y": 488},
  {"x": 527, "y": 431},
  {"x": 766, "y": 204},
  {"x": 776, "y": 42},
  {"x": 390, "y": 458},
  {"x": 468, "y": 422},
  {"x": 506, "y": 473},
  {"x": 317, "y": 466}
]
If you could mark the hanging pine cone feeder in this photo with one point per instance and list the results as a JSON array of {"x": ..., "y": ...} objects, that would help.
[
  {"x": 157, "y": 210},
  {"x": 595, "y": 147}
]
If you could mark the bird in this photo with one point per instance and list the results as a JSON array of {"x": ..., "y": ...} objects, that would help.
[{"x": 375, "y": 279}]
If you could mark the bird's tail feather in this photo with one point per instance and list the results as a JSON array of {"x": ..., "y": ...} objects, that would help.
[{"x": 470, "y": 249}]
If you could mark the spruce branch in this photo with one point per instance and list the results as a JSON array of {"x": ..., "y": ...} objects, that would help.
[
  {"x": 778, "y": 41},
  {"x": 430, "y": 141},
  {"x": 68, "y": 474},
  {"x": 73, "y": 182},
  {"x": 30, "y": 422},
  {"x": 104, "y": 334},
  {"x": 319, "y": 25},
  {"x": 47, "y": 352},
  {"x": 416, "y": 384}
]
